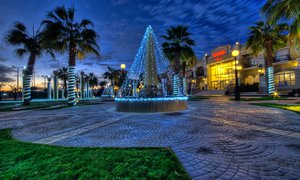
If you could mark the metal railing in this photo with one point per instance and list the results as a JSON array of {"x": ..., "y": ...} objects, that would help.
[{"x": 282, "y": 58}]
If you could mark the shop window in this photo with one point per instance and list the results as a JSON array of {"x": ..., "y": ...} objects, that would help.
[
  {"x": 221, "y": 75},
  {"x": 285, "y": 78}
]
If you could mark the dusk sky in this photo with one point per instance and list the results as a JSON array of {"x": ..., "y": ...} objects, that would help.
[{"x": 121, "y": 25}]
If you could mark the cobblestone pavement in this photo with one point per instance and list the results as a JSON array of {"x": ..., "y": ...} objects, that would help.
[{"x": 214, "y": 138}]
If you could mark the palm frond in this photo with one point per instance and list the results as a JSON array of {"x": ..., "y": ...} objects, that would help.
[
  {"x": 86, "y": 22},
  {"x": 20, "y": 52},
  {"x": 61, "y": 12}
]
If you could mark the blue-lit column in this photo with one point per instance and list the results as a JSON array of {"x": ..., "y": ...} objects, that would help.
[
  {"x": 55, "y": 85},
  {"x": 49, "y": 87},
  {"x": 271, "y": 84},
  {"x": 71, "y": 86},
  {"x": 176, "y": 84},
  {"x": 81, "y": 85},
  {"x": 87, "y": 89}
]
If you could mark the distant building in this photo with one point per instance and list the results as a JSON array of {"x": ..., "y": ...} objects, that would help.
[{"x": 216, "y": 71}]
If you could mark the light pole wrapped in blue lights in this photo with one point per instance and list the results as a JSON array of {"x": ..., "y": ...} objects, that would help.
[{"x": 149, "y": 85}]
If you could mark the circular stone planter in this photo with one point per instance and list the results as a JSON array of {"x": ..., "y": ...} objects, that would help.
[{"x": 159, "y": 104}]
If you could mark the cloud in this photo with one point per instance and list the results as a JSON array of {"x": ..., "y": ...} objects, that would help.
[
  {"x": 122, "y": 23},
  {"x": 2, "y": 58},
  {"x": 5, "y": 72}
]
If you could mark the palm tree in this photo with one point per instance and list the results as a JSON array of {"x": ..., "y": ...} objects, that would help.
[
  {"x": 112, "y": 74},
  {"x": 178, "y": 43},
  {"x": 27, "y": 43},
  {"x": 93, "y": 80},
  {"x": 188, "y": 59},
  {"x": 267, "y": 38},
  {"x": 286, "y": 10},
  {"x": 102, "y": 84},
  {"x": 78, "y": 39},
  {"x": 121, "y": 77},
  {"x": 63, "y": 75}
]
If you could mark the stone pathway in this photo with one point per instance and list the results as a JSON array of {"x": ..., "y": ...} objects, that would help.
[{"x": 214, "y": 139}]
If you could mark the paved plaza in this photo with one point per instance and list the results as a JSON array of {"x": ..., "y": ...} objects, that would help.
[{"x": 214, "y": 138}]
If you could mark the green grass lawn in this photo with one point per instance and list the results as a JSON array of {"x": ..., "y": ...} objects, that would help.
[
  {"x": 21, "y": 160},
  {"x": 197, "y": 98},
  {"x": 295, "y": 108},
  {"x": 263, "y": 98}
]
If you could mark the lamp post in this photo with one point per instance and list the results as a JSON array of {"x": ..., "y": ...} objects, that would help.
[
  {"x": 18, "y": 74},
  {"x": 235, "y": 53},
  {"x": 49, "y": 87},
  {"x": 123, "y": 66}
]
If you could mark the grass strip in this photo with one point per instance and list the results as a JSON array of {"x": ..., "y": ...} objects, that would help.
[
  {"x": 294, "y": 108},
  {"x": 21, "y": 160}
]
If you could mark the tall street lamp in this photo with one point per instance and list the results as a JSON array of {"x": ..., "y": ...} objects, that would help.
[
  {"x": 235, "y": 53},
  {"x": 18, "y": 74},
  {"x": 123, "y": 66}
]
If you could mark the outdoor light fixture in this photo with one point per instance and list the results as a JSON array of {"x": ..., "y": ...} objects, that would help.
[
  {"x": 123, "y": 66},
  {"x": 260, "y": 70},
  {"x": 235, "y": 53}
]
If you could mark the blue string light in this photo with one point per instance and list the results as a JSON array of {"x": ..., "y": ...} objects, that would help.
[
  {"x": 179, "y": 98},
  {"x": 27, "y": 90},
  {"x": 138, "y": 68},
  {"x": 271, "y": 86},
  {"x": 71, "y": 86}
]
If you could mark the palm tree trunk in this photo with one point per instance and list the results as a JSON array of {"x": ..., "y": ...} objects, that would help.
[
  {"x": 71, "y": 76},
  {"x": 27, "y": 78},
  {"x": 269, "y": 76},
  {"x": 176, "y": 65},
  {"x": 183, "y": 64},
  {"x": 176, "y": 76},
  {"x": 183, "y": 78}
]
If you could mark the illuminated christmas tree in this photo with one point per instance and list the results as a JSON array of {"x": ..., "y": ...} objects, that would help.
[{"x": 150, "y": 72}]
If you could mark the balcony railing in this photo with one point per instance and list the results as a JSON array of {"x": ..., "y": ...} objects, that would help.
[
  {"x": 250, "y": 65},
  {"x": 282, "y": 58}
]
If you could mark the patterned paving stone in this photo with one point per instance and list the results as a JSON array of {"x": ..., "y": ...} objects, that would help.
[{"x": 214, "y": 139}]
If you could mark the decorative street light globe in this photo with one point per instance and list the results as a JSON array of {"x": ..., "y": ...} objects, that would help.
[
  {"x": 123, "y": 66},
  {"x": 235, "y": 53}
]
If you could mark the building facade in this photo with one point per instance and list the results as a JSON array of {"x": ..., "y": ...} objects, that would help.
[{"x": 218, "y": 71}]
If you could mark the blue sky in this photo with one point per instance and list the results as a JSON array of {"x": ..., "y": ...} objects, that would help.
[{"x": 121, "y": 25}]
